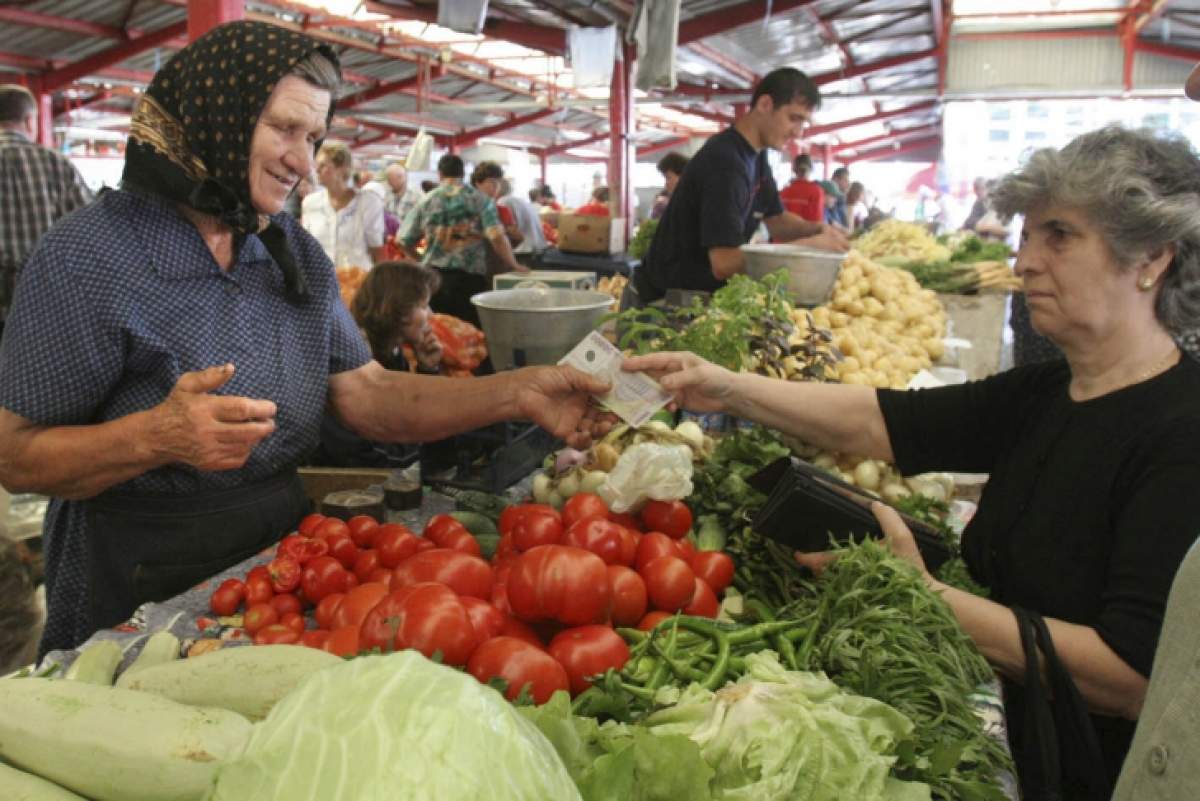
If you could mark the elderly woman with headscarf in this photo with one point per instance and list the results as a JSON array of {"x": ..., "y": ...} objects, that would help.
[
  {"x": 1088, "y": 510},
  {"x": 172, "y": 347}
]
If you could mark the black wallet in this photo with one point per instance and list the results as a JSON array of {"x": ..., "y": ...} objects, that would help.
[{"x": 807, "y": 509}]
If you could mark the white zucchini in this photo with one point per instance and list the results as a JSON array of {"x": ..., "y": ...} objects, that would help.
[
  {"x": 17, "y": 785},
  {"x": 248, "y": 680},
  {"x": 110, "y": 744},
  {"x": 96, "y": 664},
  {"x": 160, "y": 647}
]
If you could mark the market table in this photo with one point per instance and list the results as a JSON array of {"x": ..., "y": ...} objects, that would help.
[{"x": 188, "y": 617}]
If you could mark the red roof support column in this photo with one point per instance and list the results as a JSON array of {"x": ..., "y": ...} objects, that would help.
[
  {"x": 620, "y": 118},
  {"x": 45, "y": 104},
  {"x": 826, "y": 159},
  {"x": 204, "y": 15},
  {"x": 543, "y": 163}
]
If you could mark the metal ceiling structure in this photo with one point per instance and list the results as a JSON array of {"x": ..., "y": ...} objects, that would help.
[{"x": 880, "y": 63}]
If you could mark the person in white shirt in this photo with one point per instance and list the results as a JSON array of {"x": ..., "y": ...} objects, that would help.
[
  {"x": 346, "y": 221},
  {"x": 399, "y": 198},
  {"x": 528, "y": 222}
]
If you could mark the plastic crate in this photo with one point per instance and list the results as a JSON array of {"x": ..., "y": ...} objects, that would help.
[{"x": 489, "y": 459}]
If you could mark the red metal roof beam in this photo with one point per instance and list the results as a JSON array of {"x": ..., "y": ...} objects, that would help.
[
  {"x": 726, "y": 19},
  {"x": 817, "y": 130},
  {"x": 554, "y": 150},
  {"x": 874, "y": 66},
  {"x": 892, "y": 152},
  {"x": 647, "y": 150},
  {"x": 890, "y": 136},
  {"x": 537, "y": 37},
  {"x": 471, "y": 137},
  {"x": 20, "y": 16},
  {"x": 378, "y": 91},
  {"x": 111, "y": 57}
]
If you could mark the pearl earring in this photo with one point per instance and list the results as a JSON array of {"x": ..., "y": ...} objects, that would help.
[{"x": 1146, "y": 284}]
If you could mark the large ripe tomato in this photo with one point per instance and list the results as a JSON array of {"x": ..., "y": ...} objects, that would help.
[
  {"x": 715, "y": 567},
  {"x": 225, "y": 601},
  {"x": 438, "y": 526},
  {"x": 362, "y": 530},
  {"x": 558, "y": 582},
  {"x": 309, "y": 524},
  {"x": 344, "y": 641},
  {"x": 276, "y": 634},
  {"x": 652, "y": 619},
  {"x": 511, "y": 514},
  {"x": 521, "y": 665},
  {"x": 522, "y": 631},
  {"x": 670, "y": 583},
  {"x": 323, "y": 576},
  {"x": 534, "y": 528},
  {"x": 704, "y": 602},
  {"x": 587, "y": 651},
  {"x": 487, "y": 620},
  {"x": 259, "y": 616},
  {"x": 293, "y": 620},
  {"x": 331, "y": 525},
  {"x": 581, "y": 505},
  {"x": 366, "y": 563},
  {"x": 285, "y": 574},
  {"x": 630, "y": 540},
  {"x": 686, "y": 549},
  {"x": 395, "y": 543},
  {"x": 629, "y": 595},
  {"x": 381, "y": 575},
  {"x": 627, "y": 520},
  {"x": 652, "y": 546},
  {"x": 428, "y": 617},
  {"x": 672, "y": 518},
  {"x": 286, "y": 603},
  {"x": 601, "y": 536},
  {"x": 357, "y": 603},
  {"x": 314, "y": 638},
  {"x": 343, "y": 549},
  {"x": 327, "y": 608},
  {"x": 463, "y": 573},
  {"x": 258, "y": 588},
  {"x": 302, "y": 549}
]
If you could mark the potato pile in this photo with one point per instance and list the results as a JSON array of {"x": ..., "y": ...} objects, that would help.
[
  {"x": 886, "y": 327},
  {"x": 901, "y": 241}
]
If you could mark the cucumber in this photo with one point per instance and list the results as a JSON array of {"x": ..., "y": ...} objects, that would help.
[
  {"x": 17, "y": 785},
  {"x": 161, "y": 647},
  {"x": 486, "y": 504},
  {"x": 96, "y": 664},
  {"x": 110, "y": 744},
  {"x": 479, "y": 525},
  {"x": 248, "y": 680}
]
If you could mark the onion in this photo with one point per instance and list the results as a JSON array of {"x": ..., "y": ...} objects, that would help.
[{"x": 568, "y": 459}]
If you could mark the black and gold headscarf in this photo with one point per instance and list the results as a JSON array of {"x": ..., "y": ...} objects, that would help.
[{"x": 189, "y": 140}]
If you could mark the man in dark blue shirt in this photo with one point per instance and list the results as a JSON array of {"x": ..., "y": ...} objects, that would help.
[{"x": 725, "y": 192}]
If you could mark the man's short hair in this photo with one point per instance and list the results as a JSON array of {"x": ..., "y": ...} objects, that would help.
[
  {"x": 841, "y": 172},
  {"x": 802, "y": 164},
  {"x": 450, "y": 166},
  {"x": 600, "y": 194},
  {"x": 788, "y": 85},
  {"x": 16, "y": 103},
  {"x": 485, "y": 170},
  {"x": 672, "y": 162}
]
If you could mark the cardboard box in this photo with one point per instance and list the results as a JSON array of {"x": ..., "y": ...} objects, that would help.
[
  {"x": 584, "y": 233},
  {"x": 545, "y": 279}
]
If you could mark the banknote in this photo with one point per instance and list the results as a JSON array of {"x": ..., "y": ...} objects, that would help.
[{"x": 634, "y": 397}]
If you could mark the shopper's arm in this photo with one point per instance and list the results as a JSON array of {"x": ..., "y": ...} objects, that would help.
[
  {"x": 788, "y": 227},
  {"x": 726, "y": 262},
  {"x": 191, "y": 426},
  {"x": 1108, "y": 684},
  {"x": 504, "y": 250},
  {"x": 395, "y": 406},
  {"x": 836, "y": 417}
]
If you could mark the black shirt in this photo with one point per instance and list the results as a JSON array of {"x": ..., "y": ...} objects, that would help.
[
  {"x": 725, "y": 191},
  {"x": 1089, "y": 508}
]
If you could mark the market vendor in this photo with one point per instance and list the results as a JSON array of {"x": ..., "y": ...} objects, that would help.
[
  {"x": 1089, "y": 507},
  {"x": 727, "y": 191},
  {"x": 172, "y": 347}
]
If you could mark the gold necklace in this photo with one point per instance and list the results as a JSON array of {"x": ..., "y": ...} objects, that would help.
[{"x": 1159, "y": 366}]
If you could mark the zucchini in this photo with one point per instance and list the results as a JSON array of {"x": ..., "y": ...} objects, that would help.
[
  {"x": 96, "y": 664},
  {"x": 248, "y": 680},
  {"x": 110, "y": 744},
  {"x": 161, "y": 647},
  {"x": 17, "y": 785}
]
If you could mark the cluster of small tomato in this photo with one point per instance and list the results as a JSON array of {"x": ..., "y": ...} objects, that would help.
[{"x": 540, "y": 616}]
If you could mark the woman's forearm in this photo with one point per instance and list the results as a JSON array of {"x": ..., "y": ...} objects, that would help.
[
  {"x": 73, "y": 462},
  {"x": 836, "y": 417},
  {"x": 1107, "y": 683}
]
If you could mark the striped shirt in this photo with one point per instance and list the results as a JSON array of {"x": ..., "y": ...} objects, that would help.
[{"x": 37, "y": 186}]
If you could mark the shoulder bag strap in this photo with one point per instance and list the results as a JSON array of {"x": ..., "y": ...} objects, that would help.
[{"x": 1039, "y": 767}]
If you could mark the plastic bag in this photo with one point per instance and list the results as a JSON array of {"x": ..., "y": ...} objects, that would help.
[{"x": 648, "y": 471}]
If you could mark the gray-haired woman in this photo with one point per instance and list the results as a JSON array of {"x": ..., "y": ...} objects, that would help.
[
  {"x": 1089, "y": 507},
  {"x": 164, "y": 468}
]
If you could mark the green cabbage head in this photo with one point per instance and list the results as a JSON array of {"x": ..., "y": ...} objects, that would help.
[{"x": 394, "y": 728}]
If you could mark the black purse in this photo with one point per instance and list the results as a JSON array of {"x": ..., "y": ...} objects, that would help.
[{"x": 1059, "y": 757}]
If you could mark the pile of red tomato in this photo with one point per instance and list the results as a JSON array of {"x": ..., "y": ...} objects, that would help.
[{"x": 540, "y": 615}]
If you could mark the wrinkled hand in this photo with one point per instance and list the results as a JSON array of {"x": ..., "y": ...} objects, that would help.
[
  {"x": 830, "y": 238},
  {"x": 429, "y": 350},
  {"x": 697, "y": 385},
  {"x": 556, "y": 398},
  {"x": 896, "y": 537},
  {"x": 209, "y": 432}
]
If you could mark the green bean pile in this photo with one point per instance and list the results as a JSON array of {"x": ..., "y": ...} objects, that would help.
[{"x": 881, "y": 632}]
